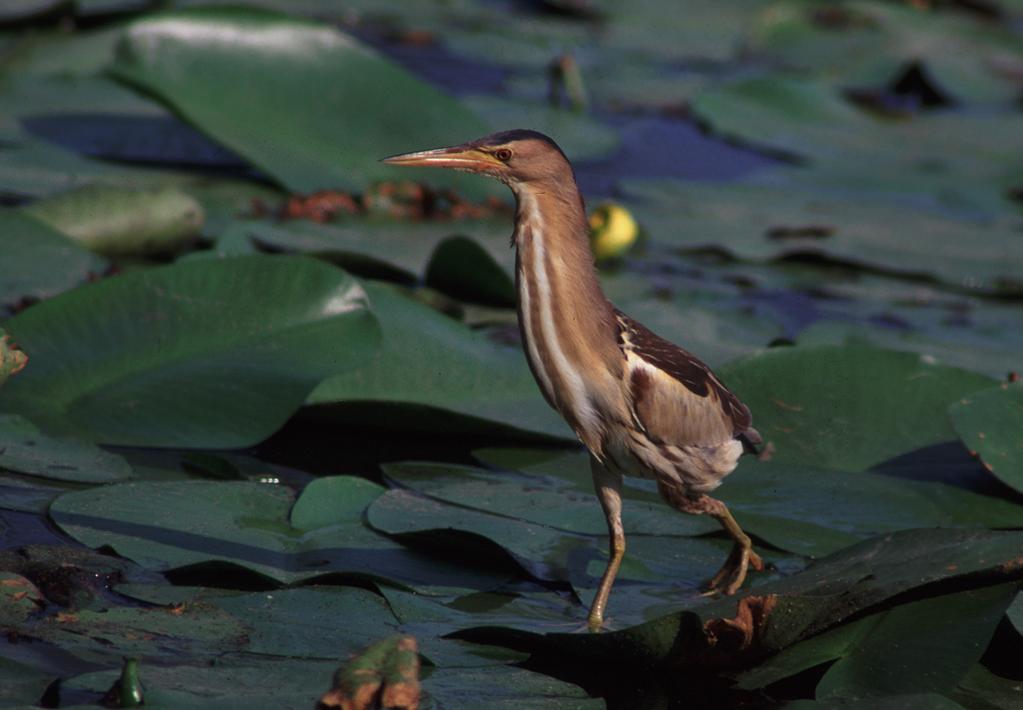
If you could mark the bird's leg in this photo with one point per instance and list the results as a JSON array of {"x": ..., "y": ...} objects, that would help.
[
  {"x": 733, "y": 572},
  {"x": 609, "y": 490}
]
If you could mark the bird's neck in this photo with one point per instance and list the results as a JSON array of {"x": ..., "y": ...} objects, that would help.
[{"x": 568, "y": 325}]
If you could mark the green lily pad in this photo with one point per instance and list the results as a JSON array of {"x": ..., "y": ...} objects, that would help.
[
  {"x": 184, "y": 524},
  {"x": 254, "y": 683},
  {"x": 40, "y": 262},
  {"x": 850, "y": 407},
  {"x": 104, "y": 635},
  {"x": 982, "y": 686},
  {"x": 659, "y": 572},
  {"x": 902, "y": 654},
  {"x": 203, "y": 354},
  {"x": 118, "y": 222},
  {"x": 963, "y": 159},
  {"x": 990, "y": 423},
  {"x": 716, "y": 326},
  {"x": 306, "y": 103},
  {"x": 790, "y": 506},
  {"x": 787, "y": 610},
  {"x": 25, "y": 449},
  {"x": 21, "y": 684},
  {"x": 868, "y": 43},
  {"x": 431, "y": 360},
  {"x": 395, "y": 248},
  {"x": 774, "y": 221},
  {"x": 581, "y": 137}
]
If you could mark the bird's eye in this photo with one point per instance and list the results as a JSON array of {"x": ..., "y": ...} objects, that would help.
[{"x": 504, "y": 155}]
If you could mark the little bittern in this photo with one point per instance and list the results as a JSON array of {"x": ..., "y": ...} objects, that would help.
[{"x": 641, "y": 405}]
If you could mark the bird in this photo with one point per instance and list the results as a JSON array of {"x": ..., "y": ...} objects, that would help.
[{"x": 641, "y": 405}]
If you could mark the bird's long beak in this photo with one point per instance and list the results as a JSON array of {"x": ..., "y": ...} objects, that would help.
[{"x": 459, "y": 157}]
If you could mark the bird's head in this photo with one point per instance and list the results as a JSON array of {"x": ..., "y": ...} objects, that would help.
[{"x": 514, "y": 157}]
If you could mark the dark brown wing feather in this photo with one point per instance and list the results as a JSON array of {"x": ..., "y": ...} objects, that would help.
[{"x": 687, "y": 369}]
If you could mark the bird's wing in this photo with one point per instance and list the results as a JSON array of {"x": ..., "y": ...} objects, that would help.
[{"x": 675, "y": 398}]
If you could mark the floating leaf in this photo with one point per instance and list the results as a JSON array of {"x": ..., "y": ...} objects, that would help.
[
  {"x": 306, "y": 103},
  {"x": 184, "y": 524},
  {"x": 990, "y": 423},
  {"x": 773, "y": 221},
  {"x": 787, "y": 610},
  {"x": 865, "y": 44},
  {"x": 848, "y": 407},
  {"x": 25, "y": 449},
  {"x": 431, "y": 360},
  {"x": 119, "y": 222},
  {"x": 202, "y": 354},
  {"x": 40, "y": 262},
  {"x": 962, "y": 159},
  {"x": 902, "y": 654}
]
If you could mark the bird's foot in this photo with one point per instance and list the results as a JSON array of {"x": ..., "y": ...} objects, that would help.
[{"x": 733, "y": 572}]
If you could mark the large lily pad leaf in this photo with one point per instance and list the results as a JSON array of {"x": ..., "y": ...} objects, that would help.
[
  {"x": 870, "y": 43},
  {"x": 990, "y": 423},
  {"x": 107, "y": 634},
  {"x": 25, "y": 449},
  {"x": 902, "y": 654},
  {"x": 790, "y": 506},
  {"x": 769, "y": 222},
  {"x": 39, "y": 261},
  {"x": 431, "y": 360},
  {"x": 848, "y": 407},
  {"x": 204, "y": 354},
  {"x": 396, "y": 248},
  {"x": 791, "y": 609},
  {"x": 966, "y": 160},
  {"x": 253, "y": 683},
  {"x": 658, "y": 574},
  {"x": 307, "y": 104},
  {"x": 179, "y": 524}
]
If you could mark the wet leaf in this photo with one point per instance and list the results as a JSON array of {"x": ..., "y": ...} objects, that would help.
[
  {"x": 848, "y": 407},
  {"x": 430, "y": 360},
  {"x": 963, "y": 160},
  {"x": 306, "y": 103},
  {"x": 735, "y": 634},
  {"x": 39, "y": 261},
  {"x": 25, "y": 449},
  {"x": 774, "y": 221},
  {"x": 194, "y": 523},
  {"x": 790, "y": 506},
  {"x": 902, "y": 654},
  {"x": 103, "y": 636},
  {"x": 865, "y": 44},
  {"x": 21, "y": 684},
  {"x": 203, "y": 354},
  {"x": 990, "y": 423},
  {"x": 119, "y": 222}
]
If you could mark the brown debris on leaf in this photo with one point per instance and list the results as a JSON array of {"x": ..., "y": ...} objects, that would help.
[
  {"x": 398, "y": 200},
  {"x": 385, "y": 675},
  {"x": 742, "y": 635},
  {"x": 12, "y": 360}
]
